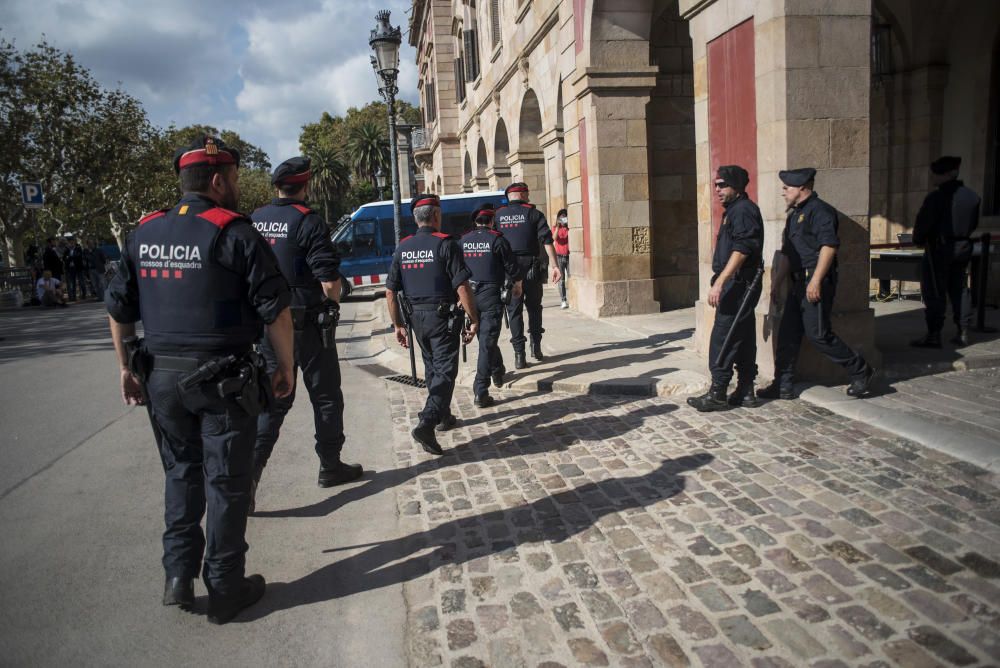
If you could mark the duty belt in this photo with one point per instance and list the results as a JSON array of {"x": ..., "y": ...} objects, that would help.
[
  {"x": 803, "y": 274},
  {"x": 426, "y": 307},
  {"x": 183, "y": 364}
]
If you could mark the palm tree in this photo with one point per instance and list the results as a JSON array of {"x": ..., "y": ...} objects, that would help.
[
  {"x": 368, "y": 149},
  {"x": 331, "y": 177}
]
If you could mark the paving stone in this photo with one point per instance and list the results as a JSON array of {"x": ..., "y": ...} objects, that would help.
[
  {"x": 714, "y": 598},
  {"x": 621, "y": 582},
  {"x": 887, "y": 606},
  {"x": 689, "y": 571},
  {"x": 758, "y": 603},
  {"x": 885, "y": 554},
  {"x": 587, "y": 653},
  {"x": 770, "y": 662},
  {"x": 580, "y": 576},
  {"x": 568, "y": 616},
  {"x": 909, "y": 654},
  {"x": 492, "y": 618},
  {"x": 729, "y": 573},
  {"x": 846, "y": 552},
  {"x": 639, "y": 561},
  {"x": 744, "y": 554},
  {"x": 933, "y": 607},
  {"x": 794, "y": 637},
  {"x": 602, "y": 607},
  {"x": 741, "y": 631},
  {"x": 884, "y": 576},
  {"x": 692, "y": 623},
  {"x": 923, "y": 577},
  {"x": 847, "y": 646},
  {"x": 716, "y": 656},
  {"x": 620, "y": 639},
  {"x": 837, "y": 571},
  {"x": 806, "y": 609},
  {"x": 786, "y": 561},
  {"x": 667, "y": 651},
  {"x": 524, "y": 605},
  {"x": 505, "y": 653},
  {"x": 933, "y": 560},
  {"x": 824, "y": 591},
  {"x": 940, "y": 645},
  {"x": 461, "y": 633},
  {"x": 426, "y": 619},
  {"x": 661, "y": 586},
  {"x": 644, "y": 615},
  {"x": 757, "y": 536},
  {"x": 864, "y": 622},
  {"x": 701, "y": 547},
  {"x": 985, "y": 639},
  {"x": 980, "y": 565},
  {"x": 467, "y": 662},
  {"x": 859, "y": 517}
]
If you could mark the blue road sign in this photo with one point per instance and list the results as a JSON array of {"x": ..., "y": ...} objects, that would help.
[{"x": 31, "y": 195}]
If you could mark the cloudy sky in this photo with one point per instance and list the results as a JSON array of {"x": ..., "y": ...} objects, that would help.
[{"x": 259, "y": 67}]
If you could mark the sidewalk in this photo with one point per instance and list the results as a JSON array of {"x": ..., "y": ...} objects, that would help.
[{"x": 929, "y": 396}]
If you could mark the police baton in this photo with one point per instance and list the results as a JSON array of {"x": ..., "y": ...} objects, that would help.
[
  {"x": 754, "y": 284},
  {"x": 406, "y": 310},
  {"x": 467, "y": 325}
]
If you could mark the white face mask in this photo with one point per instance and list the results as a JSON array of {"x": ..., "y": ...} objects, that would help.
[{"x": 562, "y": 221}]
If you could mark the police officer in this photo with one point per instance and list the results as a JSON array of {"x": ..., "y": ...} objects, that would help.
[
  {"x": 205, "y": 285},
  {"x": 428, "y": 275},
  {"x": 809, "y": 257},
  {"x": 944, "y": 225},
  {"x": 494, "y": 267},
  {"x": 525, "y": 228},
  {"x": 301, "y": 242},
  {"x": 738, "y": 249}
]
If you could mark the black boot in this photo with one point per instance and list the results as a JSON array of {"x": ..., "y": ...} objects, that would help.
[
  {"x": 744, "y": 396},
  {"x": 930, "y": 340},
  {"x": 222, "y": 609},
  {"x": 484, "y": 401},
  {"x": 179, "y": 591},
  {"x": 519, "y": 361},
  {"x": 447, "y": 423},
  {"x": 498, "y": 377},
  {"x": 339, "y": 474},
  {"x": 536, "y": 351},
  {"x": 423, "y": 434},
  {"x": 776, "y": 391},
  {"x": 713, "y": 400},
  {"x": 861, "y": 385},
  {"x": 961, "y": 339}
]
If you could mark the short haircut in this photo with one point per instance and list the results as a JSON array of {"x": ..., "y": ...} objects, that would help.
[
  {"x": 424, "y": 214},
  {"x": 198, "y": 179},
  {"x": 289, "y": 189}
]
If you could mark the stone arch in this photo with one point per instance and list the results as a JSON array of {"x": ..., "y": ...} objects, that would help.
[
  {"x": 482, "y": 163},
  {"x": 529, "y": 165},
  {"x": 467, "y": 174},
  {"x": 501, "y": 157}
]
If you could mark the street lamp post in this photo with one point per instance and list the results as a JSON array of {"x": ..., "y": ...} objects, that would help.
[
  {"x": 380, "y": 180},
  {"x": 385, "y": 41}
]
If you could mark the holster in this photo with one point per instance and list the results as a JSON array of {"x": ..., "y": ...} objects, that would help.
[
  {"x": 327, "y": 319},
  {"x": 137, "y": 360},
  {"x": 534, "y": 272},
  {"x": 242, "y": 380},
  {"x": 406, "y": 308}
]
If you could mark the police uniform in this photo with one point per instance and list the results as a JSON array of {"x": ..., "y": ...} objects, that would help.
[
  {"x": 526, "y": 229},
  {"x": 301, "y": 241},
  {"x": 428, "y": 268},
  {"x": 493, "y": 264},
  {"x": 810, "y": 225},
  {"x": 203, "y": 282},
  {"x": 944, "y": 225},
  {"x": 742, "y": 230}
]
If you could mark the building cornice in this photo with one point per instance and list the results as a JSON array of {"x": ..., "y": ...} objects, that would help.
[
  {"x": 596, "y": 79},
  {"x": 690, "y": 8}
]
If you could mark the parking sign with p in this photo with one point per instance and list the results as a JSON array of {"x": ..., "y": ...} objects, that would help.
[{"x": 31, "y": 195}]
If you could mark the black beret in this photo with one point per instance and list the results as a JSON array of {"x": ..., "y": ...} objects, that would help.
[
  {"x": 205, "y": 150},
  {"x": 424, "y": 199},
  {"x": 483, "y": 209},
  {"x": 797, "y": 177},
  {"x": 945, "y": 164},
  {"x": 517, "y": 187},
  {"x": 292, "y": 171},
  {"x": 734, "y": 176}
]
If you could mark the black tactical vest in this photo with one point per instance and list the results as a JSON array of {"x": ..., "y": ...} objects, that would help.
[
  {"x": 478, "y": 247},
  {"x": 187, "y": 300},
  {"x": 279, "y": 224},
  {"x": 422, "y": 268},
  {"x": 518, "y": 224}
]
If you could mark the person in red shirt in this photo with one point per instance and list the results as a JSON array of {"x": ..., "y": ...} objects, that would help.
[{"x": 560, "y": 237}]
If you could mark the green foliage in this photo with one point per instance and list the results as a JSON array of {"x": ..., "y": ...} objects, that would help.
[
  {"x": 255, "y": 188},
  {"x": 368, "y": 149}
]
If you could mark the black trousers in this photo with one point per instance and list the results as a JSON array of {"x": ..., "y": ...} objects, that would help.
[
  {"x": 943, "y": 279},
  {"x": 321, "y": 375},
  {"x": 206, "y": 447},
  {"x": 742, "y": 350},
  {"x": 490, "y": 325},
  {"x": 439, "y": 348},
  {"x": 530, "y": 300},
  {"x": 803, "y": 317}
]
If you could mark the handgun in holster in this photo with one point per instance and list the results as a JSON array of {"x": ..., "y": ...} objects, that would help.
[
  {"x": 206, "y": 373},
  {"x": 327, "y": 319},
  {"x": 467, "y": 326}
]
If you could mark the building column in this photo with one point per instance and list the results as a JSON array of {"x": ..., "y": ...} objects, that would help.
[
  {"x": 529, "y": 167},
  {"x": 607, "y": 166},
  {"x": 498, "y": 177},
  {"x": 812, "y": 82},
  {"x": 551, "y": 142}
]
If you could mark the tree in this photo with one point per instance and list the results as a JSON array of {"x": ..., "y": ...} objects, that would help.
[
  {"x": 369, "y": 151},
  {"x": 255, "y": 189},
  {"x": 330, "y": 180}
]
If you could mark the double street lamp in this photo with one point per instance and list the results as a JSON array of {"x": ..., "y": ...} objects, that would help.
[{"x": 385, "y": 41}]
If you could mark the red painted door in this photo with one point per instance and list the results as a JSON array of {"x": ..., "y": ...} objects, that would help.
[{"x": 732, "y": 108}]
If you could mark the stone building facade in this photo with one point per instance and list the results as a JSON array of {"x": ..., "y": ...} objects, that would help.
[{"x": 620, "y": 110}]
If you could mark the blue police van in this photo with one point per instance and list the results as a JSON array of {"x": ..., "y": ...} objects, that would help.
[{"x": 366, "y": 242}]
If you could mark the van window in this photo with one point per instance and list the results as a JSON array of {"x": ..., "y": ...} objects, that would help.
[
  {"x": 388, "y": 233},
  {"x": 365, "y": 244},
  {"x": 344, "y": 241}
]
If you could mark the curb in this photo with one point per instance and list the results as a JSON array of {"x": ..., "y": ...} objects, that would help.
[{"x": 928, "y": 433}]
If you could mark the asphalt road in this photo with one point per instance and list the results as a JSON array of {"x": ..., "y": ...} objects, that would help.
[{"x": 81, "y": 516}]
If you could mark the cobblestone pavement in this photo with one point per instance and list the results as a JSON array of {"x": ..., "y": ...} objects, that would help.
[{"x": 571, "y": 530}]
